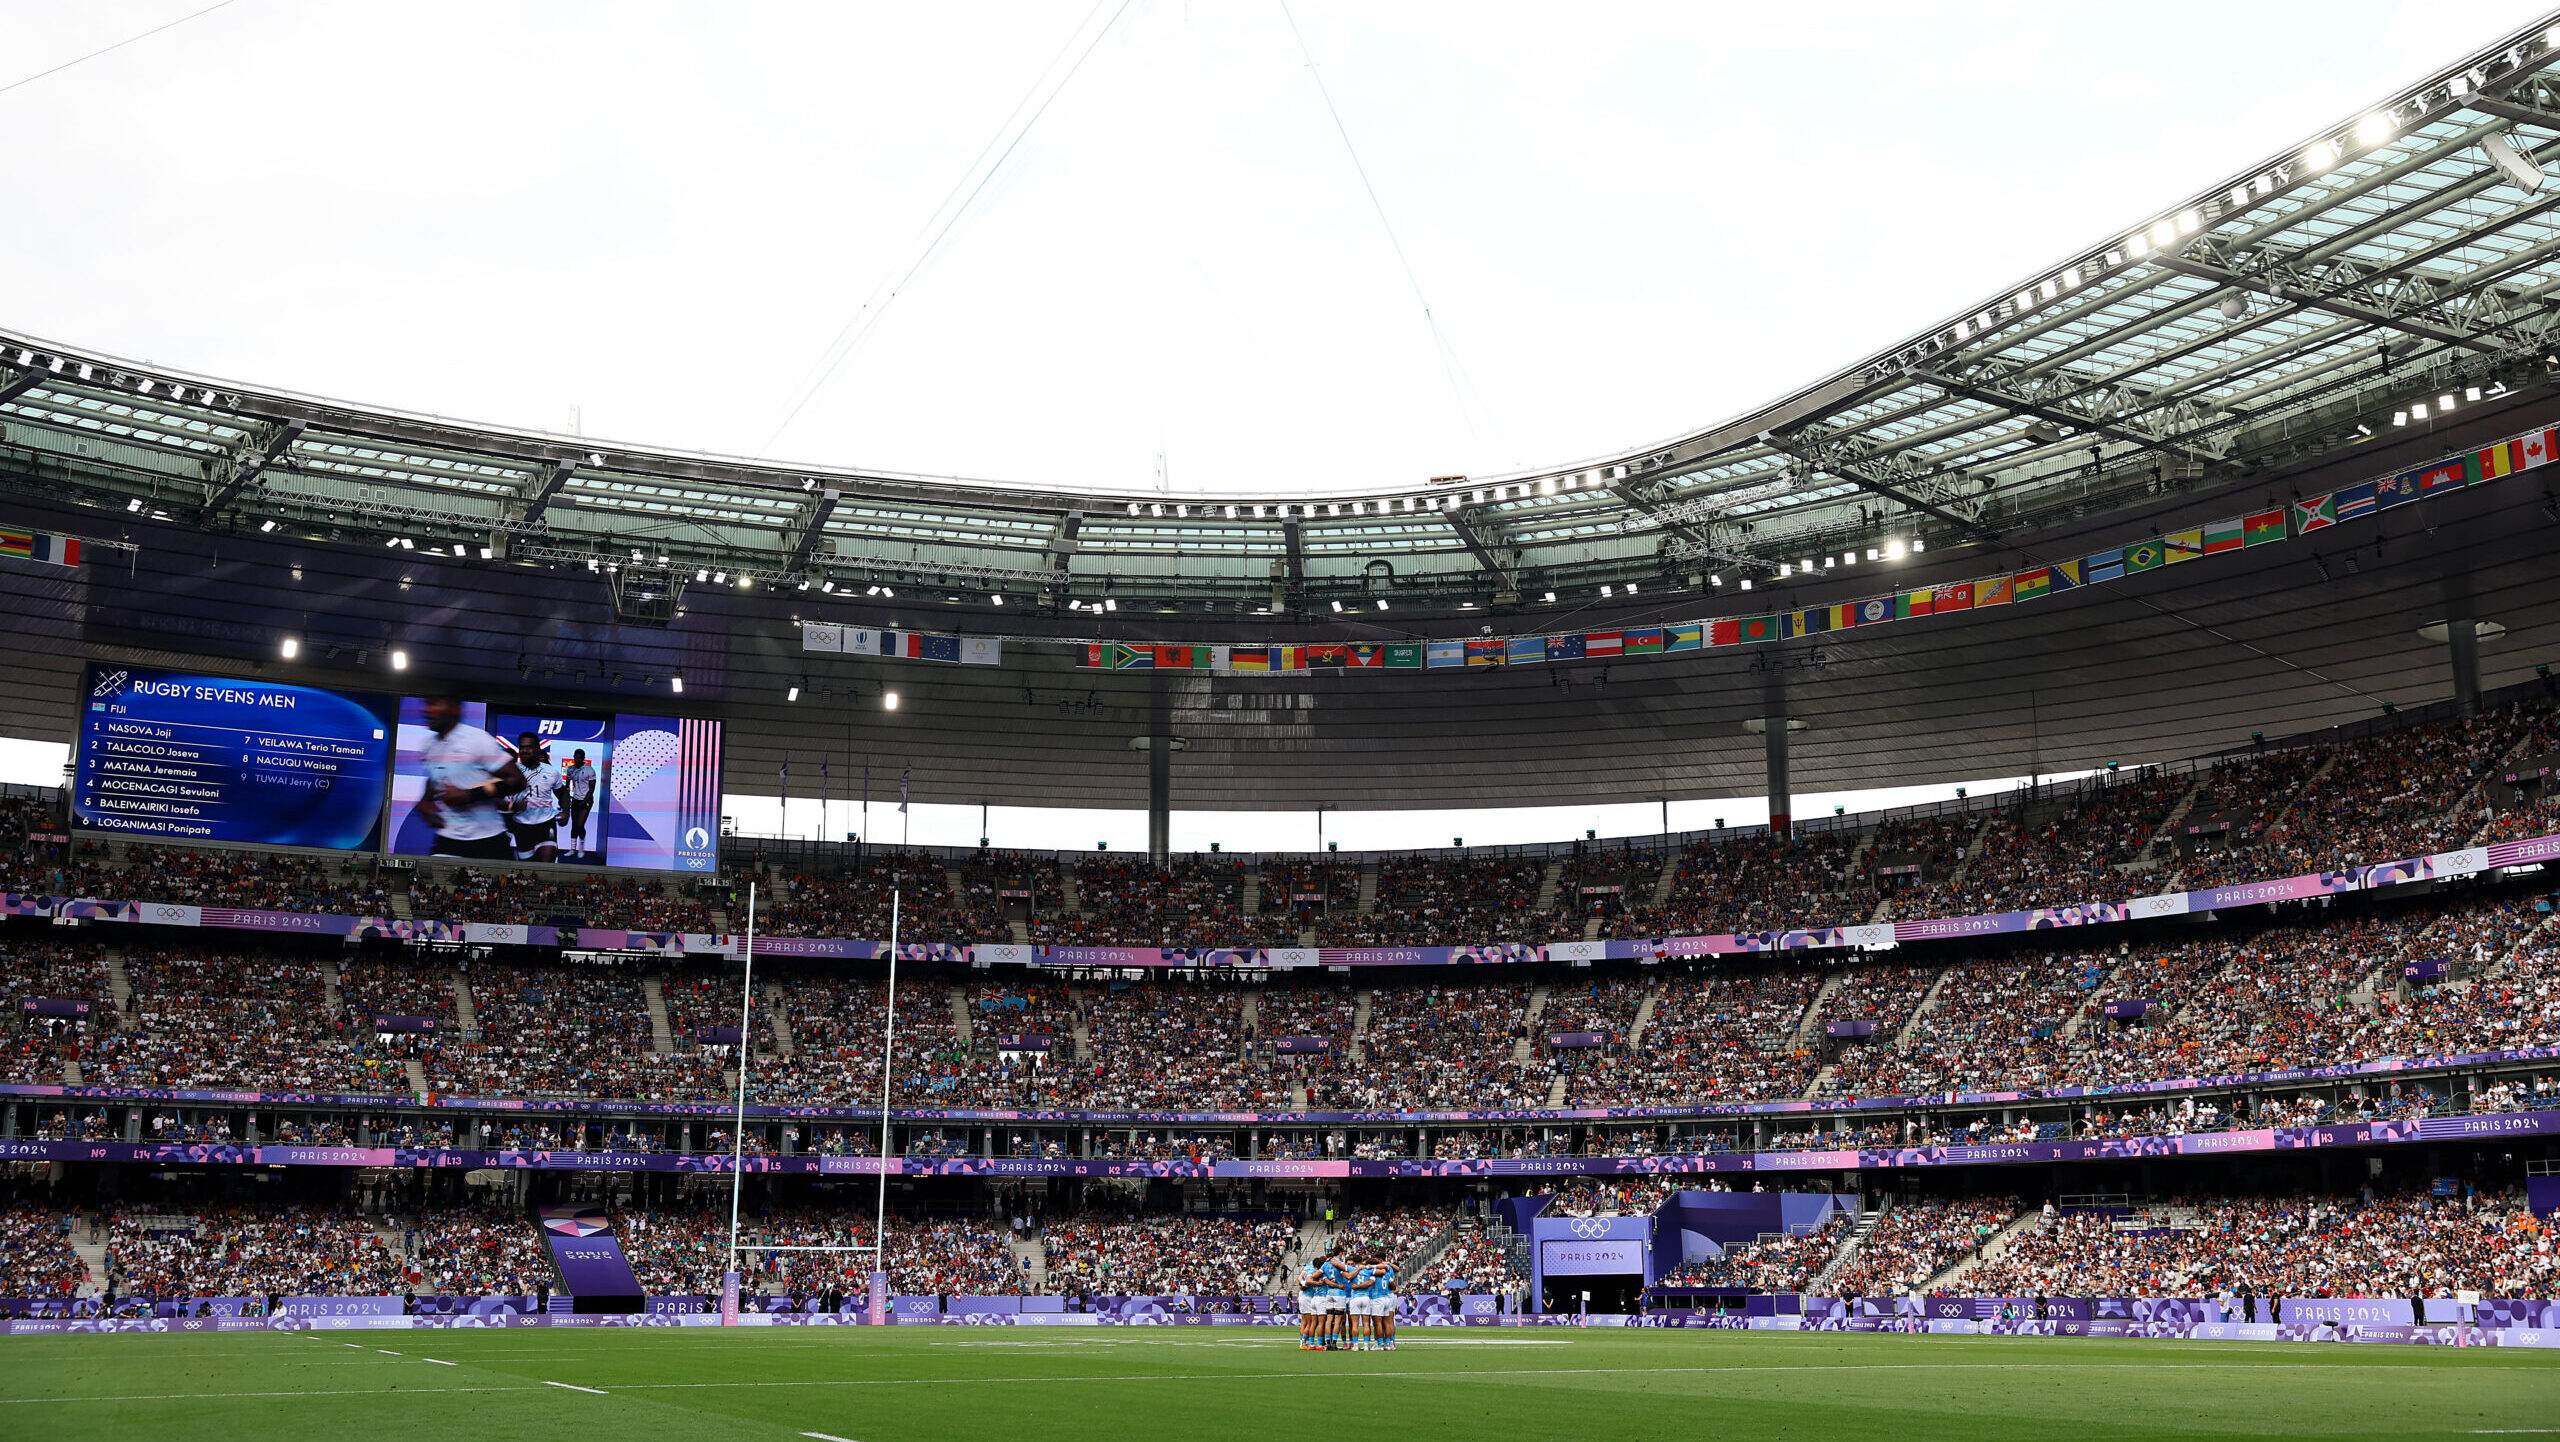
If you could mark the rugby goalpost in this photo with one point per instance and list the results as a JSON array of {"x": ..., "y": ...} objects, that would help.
[{"x": 732, "y": 1281}]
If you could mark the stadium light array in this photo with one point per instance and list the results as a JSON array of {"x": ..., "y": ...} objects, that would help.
[
  {"x": 264, "y": 526},
  {"x": 996, "y": 600},
  {"x": 888, "y": 700},
  {"x": 677, "y": 682},
  {"x": 292, "y": 647},
  {"x": 399, "y": 660},
  {"x": 791, "y": 695}
]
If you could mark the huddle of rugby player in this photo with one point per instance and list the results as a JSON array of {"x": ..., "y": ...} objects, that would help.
[{"x": 1347, "y": 1302}]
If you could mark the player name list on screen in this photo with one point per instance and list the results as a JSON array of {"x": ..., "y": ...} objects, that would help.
[{"x": 206, "y": 758}]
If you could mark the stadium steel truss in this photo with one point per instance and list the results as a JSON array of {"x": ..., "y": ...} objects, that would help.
[{"x": 2403, "y": 258}]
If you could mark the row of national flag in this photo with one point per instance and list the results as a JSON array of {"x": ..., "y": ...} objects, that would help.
[
  {"x": 37, "y": 546},
  {"x": 1396, "y": 655},
  {"x": 2526, "y": 452},
  {"x": 910, "y": 645}
]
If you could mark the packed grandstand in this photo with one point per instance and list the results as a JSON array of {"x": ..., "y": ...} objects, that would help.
[{"x": 1157, "y": 1131}]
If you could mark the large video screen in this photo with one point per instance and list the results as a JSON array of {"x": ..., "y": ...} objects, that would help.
[
  {"x": 176, "y": 756},
  {"x": 491, "y": 782}
]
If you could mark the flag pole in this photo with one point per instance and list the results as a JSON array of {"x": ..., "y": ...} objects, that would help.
[
  {"x": 746, "y": 1049},
  {"x": 888, "y": 1049}
]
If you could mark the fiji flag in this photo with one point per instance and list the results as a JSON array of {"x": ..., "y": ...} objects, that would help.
[{"x": 2397, "y": 490}]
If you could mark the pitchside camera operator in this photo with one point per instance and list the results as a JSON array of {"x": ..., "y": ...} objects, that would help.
[{"x": 468, "y": 773}]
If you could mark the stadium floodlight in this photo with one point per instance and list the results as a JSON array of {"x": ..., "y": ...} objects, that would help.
[
  {"x": 1631, "y": 588},
  {"x": 2513, "y": 161},
  {"x": 702, "y": 573},
  {"x": 292, "y": 647},
  {"x": 134, "y": 505},
  {"x": 399, "y": 660},
  {"x": 1893, "y": 550},
  {"x": 746, "y": 583},
  {"x": 1382, "y": 603},
  {"x": 676, "y": 682},
  {"x": 408, "y": 545},
  {"x": 591, "y": 563},
  {"x": 2445, "y": 402},
  {"x": 827, "y": 586},
  {"x": 2418, "y": 410},
  {"x": 1606, "y": 590},
  {"x": 889, "y": 593},
  {"x": 264, "y": 526},
  {"x": 888, "y": 700},
  {"x": 1848, "y": 558},
  {"x": 1746, "y": 583},
  {"x": 996, "y": 600},
  {"x": 1108, "y": 603},
  {"x": 392, "y": 544},
  {"x": 1337, "y": 608},
  {"x": 791, "y": 695},
  {"x": 1784, "y": 569},
  {"x": 2471, "y": 393},
  {"x": 2376, "y": 128},
  {"x": 1551, "y": 596},
  {"x": 718, "y": 578},
  {"x": 1918, "y": 546},
  {"x": 485, "y": 553}
]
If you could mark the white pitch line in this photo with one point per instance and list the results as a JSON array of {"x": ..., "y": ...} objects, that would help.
[
  {"x": 439, "y": 1361},
  {"x": 574, "y": 1387},
  {"x": 387, "y": 1352},
  {"x": 826, "y": 1437}
]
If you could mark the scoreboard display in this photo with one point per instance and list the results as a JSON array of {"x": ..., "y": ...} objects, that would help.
[{"x": 170, "y": 755}]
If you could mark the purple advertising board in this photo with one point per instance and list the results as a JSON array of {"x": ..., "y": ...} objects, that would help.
[
  {"x": 589, "y": 1258},
  {"x": 55, "y": 1006}
]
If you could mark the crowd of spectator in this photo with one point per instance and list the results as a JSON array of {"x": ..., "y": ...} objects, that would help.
[
  {"x": 1160, "y": 1254},
  {"x": 250, "y": 1251},
  {"x": 36, "y": 1259},
  {"x": 1916, "y": 1240},
  {"x": 1776, "y": 1262},
  {"x": 2354, "y": 1246}
]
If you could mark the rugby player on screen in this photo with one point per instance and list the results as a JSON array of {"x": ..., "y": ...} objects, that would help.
[
  {"x": 533, "y": 814},
  {"x": 468, "y": 774},
  {"x": 579, "y": 783}
]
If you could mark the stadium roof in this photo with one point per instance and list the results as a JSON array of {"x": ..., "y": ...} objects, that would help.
[
  {"x": 2251, "y": 344},
  {"x": 2276, "y": 314}
]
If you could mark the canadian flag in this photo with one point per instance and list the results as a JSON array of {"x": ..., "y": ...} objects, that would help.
[{"x": 2538, "y": 448}]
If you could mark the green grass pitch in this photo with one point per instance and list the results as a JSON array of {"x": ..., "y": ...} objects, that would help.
[{"x": 1235, "y": 1385}]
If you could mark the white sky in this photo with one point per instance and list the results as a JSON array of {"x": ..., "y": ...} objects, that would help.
[{"x": 1629, "y": 220}]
